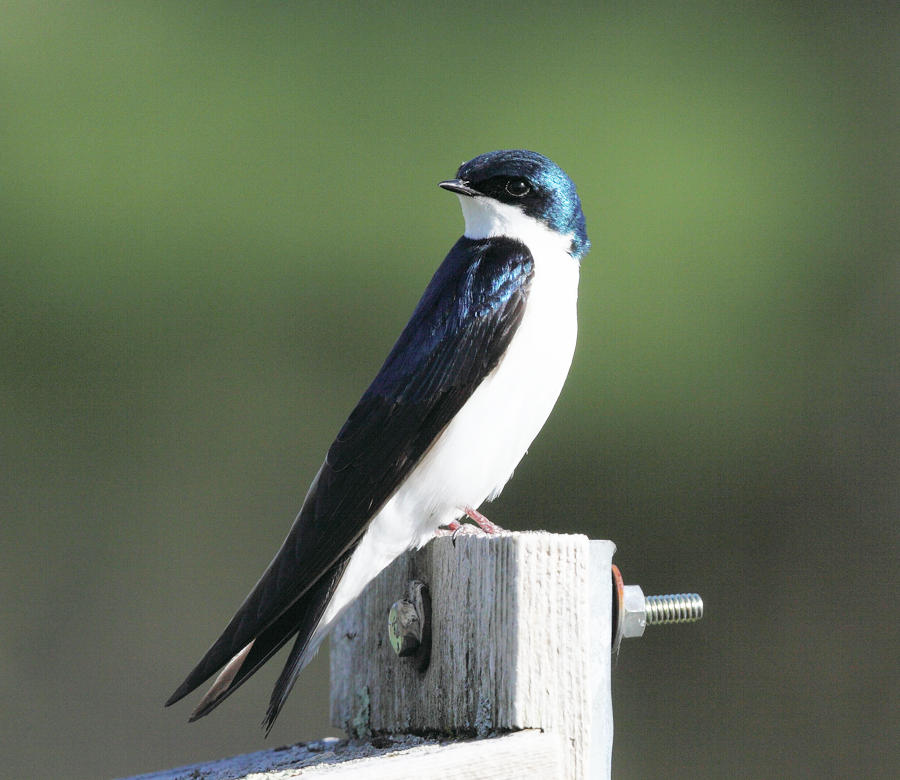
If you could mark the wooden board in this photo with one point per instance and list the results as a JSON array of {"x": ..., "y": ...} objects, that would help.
[{"x": 508, "y": 757}]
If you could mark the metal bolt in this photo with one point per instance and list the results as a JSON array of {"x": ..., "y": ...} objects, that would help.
[
  {"x": 409, "y": 625},
  {"x": 633, "y": 612},
  {"x": 676, "y": 608}
]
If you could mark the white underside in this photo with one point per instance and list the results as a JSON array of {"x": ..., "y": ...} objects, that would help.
[{"x": 476, "y": 454}]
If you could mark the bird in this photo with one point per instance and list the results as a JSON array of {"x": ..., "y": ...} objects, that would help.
[{"x": 459, "y": 399}]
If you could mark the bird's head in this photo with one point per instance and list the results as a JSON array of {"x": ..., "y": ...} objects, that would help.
[{"x": 514, "y": 192}]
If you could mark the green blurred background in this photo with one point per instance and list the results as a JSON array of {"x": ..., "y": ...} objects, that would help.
[{"x": 216, "y": 218}]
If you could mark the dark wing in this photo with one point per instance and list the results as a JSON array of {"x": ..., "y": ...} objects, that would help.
[{"x": 455, "y": 338}]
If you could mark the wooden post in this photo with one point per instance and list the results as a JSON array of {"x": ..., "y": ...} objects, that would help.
[
  {"x": 521, "y": 627},
  {"x": 518, "y": 682}
]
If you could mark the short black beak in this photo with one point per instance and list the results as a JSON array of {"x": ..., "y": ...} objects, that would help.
[{"x": 459, "y": 187}]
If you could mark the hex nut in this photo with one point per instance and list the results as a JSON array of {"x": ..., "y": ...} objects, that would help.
[{"x": 634, "y": 611}]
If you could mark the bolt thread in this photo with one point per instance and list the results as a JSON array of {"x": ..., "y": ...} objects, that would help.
[{"x": 674, "y": 608}]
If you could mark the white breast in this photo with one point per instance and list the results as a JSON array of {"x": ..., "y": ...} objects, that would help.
[{"x": 477, "y": 452}]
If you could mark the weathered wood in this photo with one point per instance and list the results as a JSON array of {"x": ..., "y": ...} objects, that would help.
[
  {"x": 521, "y": 627},
  {"x": 508, "y": 757}
]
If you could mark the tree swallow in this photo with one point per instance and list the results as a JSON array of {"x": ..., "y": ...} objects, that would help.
[{"x": 459, "y": 399}]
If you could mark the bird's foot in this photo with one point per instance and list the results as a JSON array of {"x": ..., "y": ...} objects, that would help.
[
  {"x": 475, "y": 524},
  {"x": 483, "y": 523},
  {"x": 455, "y": 528}
]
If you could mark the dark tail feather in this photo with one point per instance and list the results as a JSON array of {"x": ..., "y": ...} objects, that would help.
[
  {"x": 225, "y": 652},
  {"x": 301, "y": 619},
  {"x": 317, "y": 599},
  {"x": 261, "y": 650}
]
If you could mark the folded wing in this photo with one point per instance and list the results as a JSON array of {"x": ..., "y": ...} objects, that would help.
[{"x": 457, "y": 335}]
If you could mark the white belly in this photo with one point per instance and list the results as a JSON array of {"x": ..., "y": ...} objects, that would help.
[{"x": 477, "y": 452}]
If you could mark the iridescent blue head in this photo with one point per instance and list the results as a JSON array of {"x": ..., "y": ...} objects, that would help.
[{"x": 529, "y": 182}]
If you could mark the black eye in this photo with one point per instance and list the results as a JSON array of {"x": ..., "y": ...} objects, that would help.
[{"x": 517, "y": 188}]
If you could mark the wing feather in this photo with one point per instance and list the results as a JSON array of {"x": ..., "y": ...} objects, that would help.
[{"x": 455, "y": 338}]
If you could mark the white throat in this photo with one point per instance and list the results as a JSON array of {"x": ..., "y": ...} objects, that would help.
[{"x": 488, "y": 218}]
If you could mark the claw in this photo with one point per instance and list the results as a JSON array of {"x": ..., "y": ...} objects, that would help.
[{"x": 451, "y": 528}]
